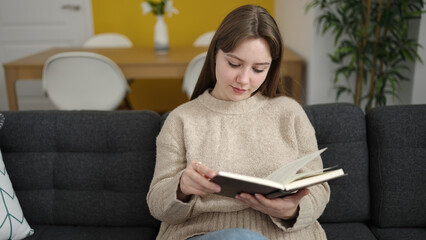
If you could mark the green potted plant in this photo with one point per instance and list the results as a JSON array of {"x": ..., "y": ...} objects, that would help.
[{"x": 372, "y": 45}]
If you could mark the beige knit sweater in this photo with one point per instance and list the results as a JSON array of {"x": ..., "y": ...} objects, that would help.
[{"x": 253, "y": 137}]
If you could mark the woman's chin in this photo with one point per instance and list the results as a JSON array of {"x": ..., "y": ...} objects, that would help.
[{"x": 238, "y": 97}]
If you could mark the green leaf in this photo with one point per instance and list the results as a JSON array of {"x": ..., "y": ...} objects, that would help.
[
  {"x": 343, "y": 17},
  {"x": 413, "y": 51},
  {"x": 406, "y": 55},
  {"x": 340, "y": 90},
  {"x": 337, "y": 37},
  {"x": 334, "y": 58}
]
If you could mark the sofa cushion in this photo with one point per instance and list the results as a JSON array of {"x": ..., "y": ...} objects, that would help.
[
  {"x": 13, "y": 224},
  {"x": 347, "y": 231},
  {"x": 399, "y": 233},
  {"x": 1, "y": 120},
  {"x": 82, "y": 168},
  {"x": 397, "y": 146},
  {"x": 341, "y": 128},
  {"x": 46, "y": 232}
]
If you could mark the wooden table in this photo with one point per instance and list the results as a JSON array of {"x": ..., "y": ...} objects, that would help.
[{"x": 138, "y": 63}]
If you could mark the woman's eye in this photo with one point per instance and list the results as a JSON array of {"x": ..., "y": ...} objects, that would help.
[
  {"x": 257, "y": 70},
  {"x": 233, "y": 65}
]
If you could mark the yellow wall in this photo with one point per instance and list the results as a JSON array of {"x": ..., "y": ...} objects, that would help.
[{"x": 195, "y": 17}]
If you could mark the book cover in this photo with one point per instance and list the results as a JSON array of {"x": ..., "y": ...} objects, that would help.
[{"x": 284, "y": 181}]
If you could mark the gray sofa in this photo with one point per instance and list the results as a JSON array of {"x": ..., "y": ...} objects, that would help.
[{"x": 85, "y": 175}]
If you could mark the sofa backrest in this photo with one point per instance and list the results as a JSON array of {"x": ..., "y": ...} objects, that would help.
[
  {"x": 397, "y": 147},
  {"x": 341, "y": 128},
  {"x": 82, "y": 167}
]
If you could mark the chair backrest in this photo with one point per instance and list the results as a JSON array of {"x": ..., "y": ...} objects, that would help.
[
  {"x": 204, "y": 40},
  {"x": 106, "y": 40},
  {"x": 83, "y": 81},
  {"x": 192, "y": 73}
]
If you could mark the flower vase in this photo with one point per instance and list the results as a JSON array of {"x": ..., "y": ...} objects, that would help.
[{"x": 161, "y": 36}]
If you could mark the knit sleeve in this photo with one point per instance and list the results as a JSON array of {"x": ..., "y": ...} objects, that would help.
[
  {"x": 311, "y": 206},
  {"x": 170, "y": 163}
]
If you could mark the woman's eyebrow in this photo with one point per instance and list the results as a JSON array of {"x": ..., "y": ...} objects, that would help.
[{"x": 239, "y": 59}]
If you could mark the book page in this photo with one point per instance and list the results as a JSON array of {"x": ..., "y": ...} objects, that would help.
[
  {"x": 285, "y": 173},
  {"x": 307, "y": 182},
  {"x": 302, "y": 175},
  {"x": 251, "y": 179}
]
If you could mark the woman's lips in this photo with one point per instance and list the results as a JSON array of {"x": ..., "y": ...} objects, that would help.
[{"x": 238, "y": 90}]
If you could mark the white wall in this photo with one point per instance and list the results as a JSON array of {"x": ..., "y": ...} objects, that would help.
[
  {"x": 300, "y": 33},
  {"x": 296, "y": 29},
  {"x": 419, "y": 81},
  {"x": 27, "y": 27}
]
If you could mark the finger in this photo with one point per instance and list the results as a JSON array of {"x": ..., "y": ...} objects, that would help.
[
  {"x": 189, "y": 187},
  {"x": 195, "y": 165},
  {"x": 248, "y": 199},
  {"x": 298, "y": 195},
  {"x": 196, "y": 183},
  {"x": 267, "y": 203},
  {"x": 203, "y": 169},
  {"x": 263, "y": 200},
  {"x": 193, "y": 190},
  {"x": 206, "y": 186}
]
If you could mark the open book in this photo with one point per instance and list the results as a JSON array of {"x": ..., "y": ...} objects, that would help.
[{"x": 284, "y": 181}]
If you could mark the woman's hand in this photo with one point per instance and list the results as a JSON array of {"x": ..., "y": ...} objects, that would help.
[
  {"x": 285, "y": 208},
  {"x": 195, "y": 180}
]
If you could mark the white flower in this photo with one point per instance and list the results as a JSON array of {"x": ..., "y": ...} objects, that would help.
[
  {"x": 146, "y": 8},
  {"x": 158, "y": 7},
  {"x": 170, "y": 9}
]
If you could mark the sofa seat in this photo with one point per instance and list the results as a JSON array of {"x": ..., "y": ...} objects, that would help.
[
  {"x": 399, "y": 233},
  {"x": 85, "y": 174},
  {"x": 348, "y": 231},
  {"x": 55, "y": 232}
]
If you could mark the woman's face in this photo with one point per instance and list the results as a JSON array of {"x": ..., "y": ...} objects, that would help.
[{"x": 241, "y": 71}]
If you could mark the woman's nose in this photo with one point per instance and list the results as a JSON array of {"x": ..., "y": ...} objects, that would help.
[{"x": 244, "y": 76}]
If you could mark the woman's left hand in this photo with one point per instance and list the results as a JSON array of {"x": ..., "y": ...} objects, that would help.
[{"x": 285, "y": 208}]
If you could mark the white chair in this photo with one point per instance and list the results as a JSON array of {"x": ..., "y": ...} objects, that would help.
[
  {"x": 192, "y": 73},
  {"x": 111, "y": 40},
  {"x": 204, "y": 40},
  {"x": 83, "y": 81},
  {"x": 107, "y": 40},
  {"x": 193, "y": 70}
]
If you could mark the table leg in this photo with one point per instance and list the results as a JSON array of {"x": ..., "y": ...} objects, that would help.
[{"x": 11, "y": 75}]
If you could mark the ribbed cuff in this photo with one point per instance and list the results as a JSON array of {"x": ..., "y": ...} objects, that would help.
[
  {"x": 303, "y": 219},
  {"x": 177, "y": 211}
]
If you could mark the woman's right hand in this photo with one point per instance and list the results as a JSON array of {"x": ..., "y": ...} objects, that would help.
[{"x": 195, "y": 180}]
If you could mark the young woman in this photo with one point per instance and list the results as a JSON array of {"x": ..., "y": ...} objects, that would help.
[{"x": 237, "y": 121}]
